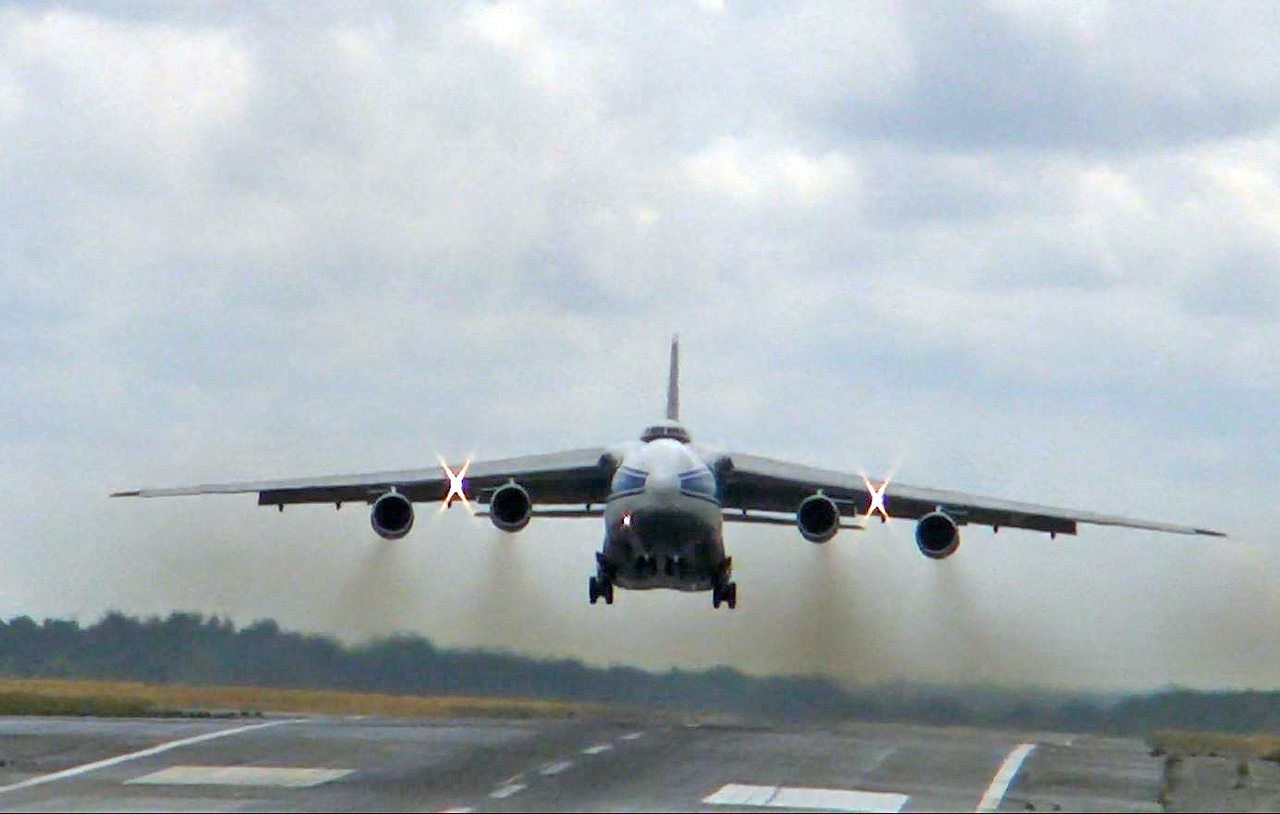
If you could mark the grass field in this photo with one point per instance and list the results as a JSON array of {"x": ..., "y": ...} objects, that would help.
[
  {"x": 132, "y": 698},
  {"x": 1179, "y": 742}
]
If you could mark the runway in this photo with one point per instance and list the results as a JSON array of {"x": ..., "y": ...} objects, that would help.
[{"x": 610, "y": 764}]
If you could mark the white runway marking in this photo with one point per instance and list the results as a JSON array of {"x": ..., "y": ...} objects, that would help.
[
  {"x": 741, "y": 794},
  {"x": 1004, "y": 776},
  {"x": 633, "y": 736},
  {"x": 597, "y": 749},
  {"x": 556, "y": 768},
  {"x": 507, "y": 790},
  {"x": 285, "y": 777},
  {"x": 154, "y": 750}
]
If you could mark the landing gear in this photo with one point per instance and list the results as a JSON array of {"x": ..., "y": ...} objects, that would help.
[
  {"x": 598, "y": 588},
  {"x": 601, "y": 585},
  {"x": 724, "y": 592},
  {"x": 724, "y": 589}
]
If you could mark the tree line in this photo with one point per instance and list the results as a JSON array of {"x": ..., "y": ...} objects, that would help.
[{"x": 190, "y": 648}]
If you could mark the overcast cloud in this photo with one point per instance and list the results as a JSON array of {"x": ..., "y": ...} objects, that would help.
[{"x": 1019, "y": 248}]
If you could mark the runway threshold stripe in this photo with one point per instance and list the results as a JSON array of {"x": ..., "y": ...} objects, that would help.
[
  {"x": 154, "y": 750},
  {"x": 599, "y": 748},
  {"x": 1004, "y": 776},
  {"x": 298, "y": 777},
  {"x": 742, "y": 794}
]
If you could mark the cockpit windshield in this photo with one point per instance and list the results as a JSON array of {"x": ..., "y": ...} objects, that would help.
[
  {"x": 666, "y": 430},
  {"x": 698, "y": 483},
  {"x": 628, "y": 480}
]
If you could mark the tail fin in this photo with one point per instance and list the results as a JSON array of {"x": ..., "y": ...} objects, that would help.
[{"x": 673, "y": 381}]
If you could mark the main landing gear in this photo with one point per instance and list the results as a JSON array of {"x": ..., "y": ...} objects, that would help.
[
  {"x": 727, "y": 593},
  {"x": 601, "y": 585},
  {"x": 725, "y": 590},
  {"x": 600, "y": 589}
]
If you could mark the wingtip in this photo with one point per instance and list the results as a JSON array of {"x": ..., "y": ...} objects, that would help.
[{"x": 130, "y": 493}]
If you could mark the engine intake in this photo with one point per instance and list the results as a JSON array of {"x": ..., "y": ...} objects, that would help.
[
  {"x": 392, "y": 516},
  {"x": 937, "y": 535},
  {"x": 510, "y": 507},
  {"x": 818, "y": 518}
]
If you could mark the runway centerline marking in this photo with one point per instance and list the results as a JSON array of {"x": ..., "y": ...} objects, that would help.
[
  {"x": 597, "y": 749},
  {"x": 1004, "y": 776},
  {"x": 555, "y": 768},
  {"x": 154, "y": 750},
  {"x": 742, "y": 794},
  {"x": 633, "y": 736},
  {"x": 506, "y": 791}
]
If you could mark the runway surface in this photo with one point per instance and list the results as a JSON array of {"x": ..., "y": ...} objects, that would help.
[{"x": 365, "y": 764}]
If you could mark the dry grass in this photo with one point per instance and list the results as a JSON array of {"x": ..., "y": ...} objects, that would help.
[
  {"x": 1183, "y": 742},
  {"x": 72, "y": 697}
]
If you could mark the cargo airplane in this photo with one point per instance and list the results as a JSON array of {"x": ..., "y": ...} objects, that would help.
[{"x": 664, "y": 501}]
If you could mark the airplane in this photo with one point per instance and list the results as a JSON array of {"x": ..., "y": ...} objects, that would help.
[{"x": 664, "y": 501}]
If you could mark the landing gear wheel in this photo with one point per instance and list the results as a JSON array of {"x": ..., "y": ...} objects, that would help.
[
  {"x": 726, "y": 593},
  {"x": 600, "y": 588}
]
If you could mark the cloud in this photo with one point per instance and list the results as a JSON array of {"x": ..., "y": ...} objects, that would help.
[{"x": 1020, "y": 249}]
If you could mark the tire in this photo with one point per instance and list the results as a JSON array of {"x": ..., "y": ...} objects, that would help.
[
  {"x": 732, "y": 597},
  {"x": 608, "y": 593},
  {"x": 715, "y": 596},
  {"x": 593, "y": 590}
]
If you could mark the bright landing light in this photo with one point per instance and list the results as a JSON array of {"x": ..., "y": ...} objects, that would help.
[
  {"x": 877, "y": 499},
  {"x": 456, "y": 489}
]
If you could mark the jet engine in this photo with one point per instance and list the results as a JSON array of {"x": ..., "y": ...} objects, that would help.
[
  {"x": 392, "y": 516},
  {"x": 818, "y": 518},
  {"x": 510, "y": 507},
  {"x": 937, "y": 535}
]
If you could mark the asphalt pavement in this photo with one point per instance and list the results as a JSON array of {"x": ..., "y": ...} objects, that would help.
[{"x": 599, "y": 764}]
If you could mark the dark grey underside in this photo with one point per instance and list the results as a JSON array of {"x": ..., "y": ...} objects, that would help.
[{"x": 664, "y": 549}]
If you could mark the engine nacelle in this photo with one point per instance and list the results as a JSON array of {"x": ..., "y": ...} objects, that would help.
[
  {"x": 937, "y": 535},
  {"x": 818, "y": 518},
  {"x": 392, "y": 516},
  {"x": 510, "y": 507}
]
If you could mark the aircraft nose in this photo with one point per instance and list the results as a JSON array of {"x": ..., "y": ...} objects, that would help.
[{"x": 663, "y": 484}]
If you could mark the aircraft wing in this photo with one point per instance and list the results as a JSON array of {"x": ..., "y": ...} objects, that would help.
[
  {"x": 750, "y": 482},
  {"x": 573, "y": 476}
]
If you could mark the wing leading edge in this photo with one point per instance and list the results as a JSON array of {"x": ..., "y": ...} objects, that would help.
[
  {"x": 750, "y": 482},
  {"x": 573, "y": 476}
]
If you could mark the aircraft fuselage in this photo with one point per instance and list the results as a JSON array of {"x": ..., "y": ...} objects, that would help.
[{"x": 663, "y": 520}]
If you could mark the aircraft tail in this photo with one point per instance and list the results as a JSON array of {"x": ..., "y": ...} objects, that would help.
[{"x": 673, "y": 381}]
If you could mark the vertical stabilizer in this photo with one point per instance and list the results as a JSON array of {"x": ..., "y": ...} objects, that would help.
[{"x": 673, "y": 381}]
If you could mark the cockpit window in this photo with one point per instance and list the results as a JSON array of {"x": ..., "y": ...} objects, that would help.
[
  {"x": 668, "y": 430},
  {"x": 701, "y": 484},
  {"x": 628, "y": 480}
]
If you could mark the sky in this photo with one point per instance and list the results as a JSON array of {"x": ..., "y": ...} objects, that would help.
[{"x": 1015, "y": 248}]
